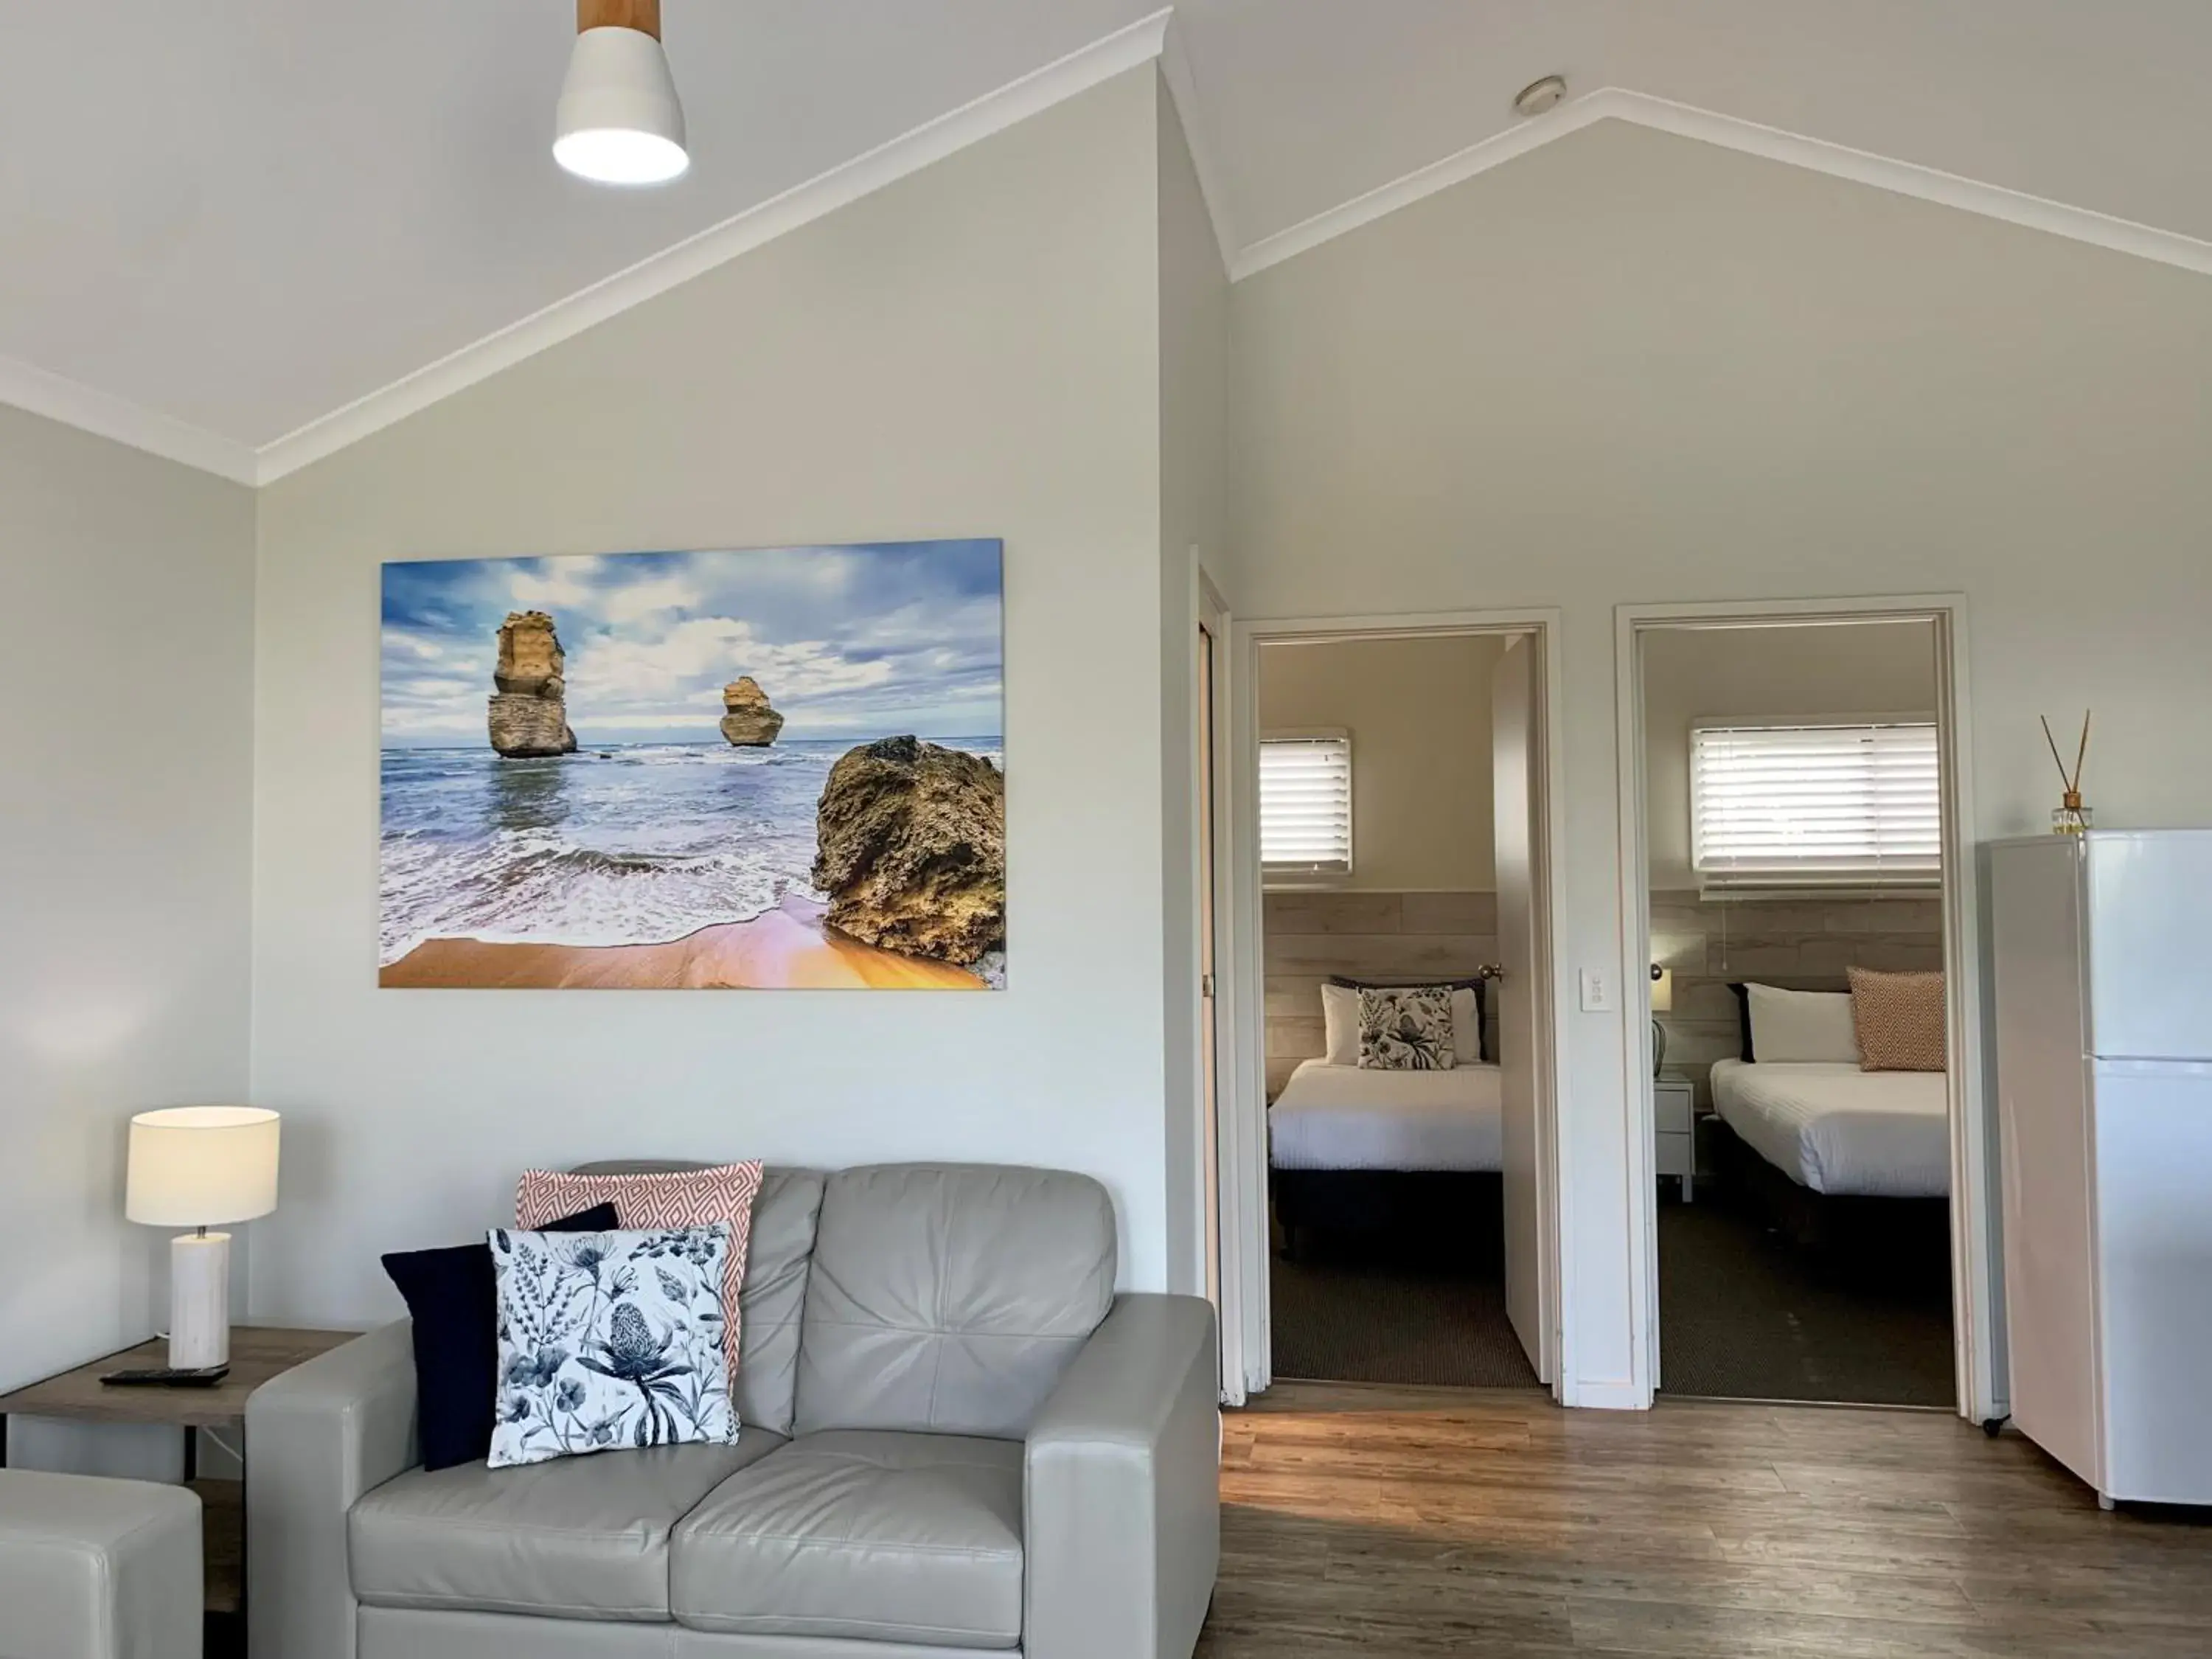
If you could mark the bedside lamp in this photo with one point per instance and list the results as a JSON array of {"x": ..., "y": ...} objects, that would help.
[
  {"x": 1663, "y": 1002},
  {"x": 199, "y": 1167}
]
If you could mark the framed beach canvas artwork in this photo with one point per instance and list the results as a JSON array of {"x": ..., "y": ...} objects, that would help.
[{"x": 776, "y": 767}]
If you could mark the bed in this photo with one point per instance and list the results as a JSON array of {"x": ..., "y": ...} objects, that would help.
[
  {"x": 1354, "y": 1149},
  {"x": 1347, "y": 1117},
  {"x": 1838, "y": 1130},
  {"x": 1838, "y": 1158}
]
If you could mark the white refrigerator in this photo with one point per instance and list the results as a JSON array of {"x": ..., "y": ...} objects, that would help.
[{"x": 2101, "y": 949}]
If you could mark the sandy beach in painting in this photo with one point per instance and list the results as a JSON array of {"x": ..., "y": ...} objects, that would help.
[
  {"x": 650, "y": 866},
  {"x": 788, "y": 948}
]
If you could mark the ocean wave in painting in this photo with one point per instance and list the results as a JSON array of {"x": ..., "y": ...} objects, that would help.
[{"x": 625, "y": 844}]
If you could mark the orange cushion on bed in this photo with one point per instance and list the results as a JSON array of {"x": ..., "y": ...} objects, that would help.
[{"x": 1899, "y": 1020}]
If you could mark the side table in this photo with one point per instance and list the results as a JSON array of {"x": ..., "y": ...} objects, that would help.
[
  {"x": 258, "y": 1352},
  {"x": 1674, "y": 1118}
]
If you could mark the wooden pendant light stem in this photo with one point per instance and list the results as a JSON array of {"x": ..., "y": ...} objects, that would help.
[{"x": 643, "y": 16}]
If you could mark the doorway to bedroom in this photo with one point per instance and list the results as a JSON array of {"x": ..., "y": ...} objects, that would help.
[
  {"x": 1400, "y": 827},
  {"x": 1794, "y": 876}
]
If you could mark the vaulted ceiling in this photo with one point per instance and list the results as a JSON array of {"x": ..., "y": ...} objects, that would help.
[{"x": 225, "y": 221}]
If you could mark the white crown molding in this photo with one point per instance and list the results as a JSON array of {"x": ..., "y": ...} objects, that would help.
[
  {"x": 1926, "y": 184},
  {"x": 1139, "y": 43},
  {"x": 1182, "y": 91},
  {"x": 1748, "y": 138},
  {"x": 1419, "y": 184},
  {"x": 58, "y": 398}
]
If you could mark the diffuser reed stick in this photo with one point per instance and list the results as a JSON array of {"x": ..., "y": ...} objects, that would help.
[{"x": 2069, "y": 817}]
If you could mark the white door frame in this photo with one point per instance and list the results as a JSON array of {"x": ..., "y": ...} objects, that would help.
[
  {"x": 1975, "y": 1292},
  {"x": 1212, "y": 614},
  {"x": 1244, "y": 1239}
]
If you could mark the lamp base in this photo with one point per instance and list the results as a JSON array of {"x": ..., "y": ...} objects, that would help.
[{"x": 199, "y": 1300}]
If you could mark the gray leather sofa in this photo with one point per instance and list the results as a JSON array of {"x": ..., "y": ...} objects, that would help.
[{"x": 957, "y": 1440}]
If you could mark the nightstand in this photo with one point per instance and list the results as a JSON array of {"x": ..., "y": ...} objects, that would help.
[{"x": 1674, "y": 1144}]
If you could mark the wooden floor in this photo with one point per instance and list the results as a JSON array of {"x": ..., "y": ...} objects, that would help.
[{"x": 1418, "y": 1522}]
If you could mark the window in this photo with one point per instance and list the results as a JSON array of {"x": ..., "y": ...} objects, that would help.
[
  {"x": 1829, "y": 804},
  {"x": 1305, "y": 806}
]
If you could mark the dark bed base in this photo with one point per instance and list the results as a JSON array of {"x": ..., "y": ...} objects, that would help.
[
  {"x": 1887, "y": 1233},
  {"x": 1451, "y": 1214}
]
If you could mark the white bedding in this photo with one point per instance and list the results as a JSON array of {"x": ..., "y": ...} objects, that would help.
[
  {"x": 1342, "y": 1117},
  {"x": 1839, "y": 1130}
]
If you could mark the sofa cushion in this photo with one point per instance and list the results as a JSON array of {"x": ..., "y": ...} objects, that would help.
[
  {"x": 774, "y": 1291},
  {"x": 864, "y": 1533},
  {"x": 950, "y": 1297},
  {"x": 774, "y": 1296},
  {"x": 581, "y": 1538}
]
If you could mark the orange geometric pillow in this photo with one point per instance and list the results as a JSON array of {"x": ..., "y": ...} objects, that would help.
[
  {"x": 671, "y": 1199},
  {"x": 1899, "y": 1020}
]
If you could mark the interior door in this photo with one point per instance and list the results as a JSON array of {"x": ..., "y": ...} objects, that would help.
[
  {"x": 1516, "y": 747},
  {"x": 1209, "y": 1034}
]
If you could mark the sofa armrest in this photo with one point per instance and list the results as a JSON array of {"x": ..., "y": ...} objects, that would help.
[
  {"x": 316, "y": 1438},
  {"x": 1122, "y": 1502}
]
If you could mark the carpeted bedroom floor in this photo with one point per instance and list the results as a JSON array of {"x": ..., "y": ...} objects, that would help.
[
  {"x": 1340, "y": 1318},
  {"x": 1744, "y": 1314}
]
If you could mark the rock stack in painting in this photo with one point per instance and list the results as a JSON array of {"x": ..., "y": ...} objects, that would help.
[
  {"x": 911, "y": 849},
  {"x": 748, "y": 721},
  {"x": 529, "y": 714}
]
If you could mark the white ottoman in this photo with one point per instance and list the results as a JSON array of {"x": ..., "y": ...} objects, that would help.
[{"x": 95, "y": 1569}]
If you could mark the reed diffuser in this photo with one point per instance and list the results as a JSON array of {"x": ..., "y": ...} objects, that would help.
[{"x": 2069, "y": 817}]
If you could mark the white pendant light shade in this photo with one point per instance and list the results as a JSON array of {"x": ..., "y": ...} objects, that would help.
[{"x": 620, "y": 122}]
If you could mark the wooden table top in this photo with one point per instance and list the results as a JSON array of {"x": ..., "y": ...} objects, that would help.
[{"x": 258, "y": 1352}]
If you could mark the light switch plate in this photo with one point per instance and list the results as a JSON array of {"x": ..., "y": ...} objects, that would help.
[{"x": 1597, "y": 991}]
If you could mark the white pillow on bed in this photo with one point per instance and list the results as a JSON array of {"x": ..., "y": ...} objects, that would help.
[
  {"x": 1795, "y": 1027},
  {"x": 1339, "y": 1020}
]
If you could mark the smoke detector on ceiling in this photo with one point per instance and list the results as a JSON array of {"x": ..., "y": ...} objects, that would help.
[{"x": 1540, "y": 96}]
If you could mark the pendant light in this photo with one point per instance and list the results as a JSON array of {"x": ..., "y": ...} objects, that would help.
[{"x": 620, "y": 122}]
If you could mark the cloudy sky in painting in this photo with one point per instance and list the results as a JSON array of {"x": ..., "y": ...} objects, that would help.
[{"x": 865, "y": 641}]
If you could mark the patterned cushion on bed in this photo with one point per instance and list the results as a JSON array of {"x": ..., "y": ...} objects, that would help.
[
  {"x": 1340, "y": 1012},
  {"x": 1900, "y": 1018},
  {"x": 1407, "y": 1029}
]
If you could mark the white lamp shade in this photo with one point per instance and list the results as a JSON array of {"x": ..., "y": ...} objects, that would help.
[
  {"x": 620, "y": 121},
  {"x": 1662, "y": 991},
  {"x": 201, "y": 1166}
]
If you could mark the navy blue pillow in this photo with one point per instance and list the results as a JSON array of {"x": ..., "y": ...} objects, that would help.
[
  {"x": 453, "y": 1297},
  {"x": 1743, "y": 1021}
]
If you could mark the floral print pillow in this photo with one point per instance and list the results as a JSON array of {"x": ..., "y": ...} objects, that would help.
[
  {"x": 1407, "y": 1029},
  {"x": 665, "y": 1198},
  {"x": 609, "y": 1341}
]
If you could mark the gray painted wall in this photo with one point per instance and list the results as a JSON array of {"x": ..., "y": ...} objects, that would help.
[
  {"x": 126, "y": 830},
  {"x": 1630, "y": 368},
  {"x": 974, "y": 350}
]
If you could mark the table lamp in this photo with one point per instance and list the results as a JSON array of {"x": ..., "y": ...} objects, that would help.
[
  {"x": 199, "y": 1167},
  {"x": 1663, "y": 1002}
]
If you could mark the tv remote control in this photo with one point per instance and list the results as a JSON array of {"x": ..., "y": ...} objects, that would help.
[{"x": 168, "y": 1376}]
